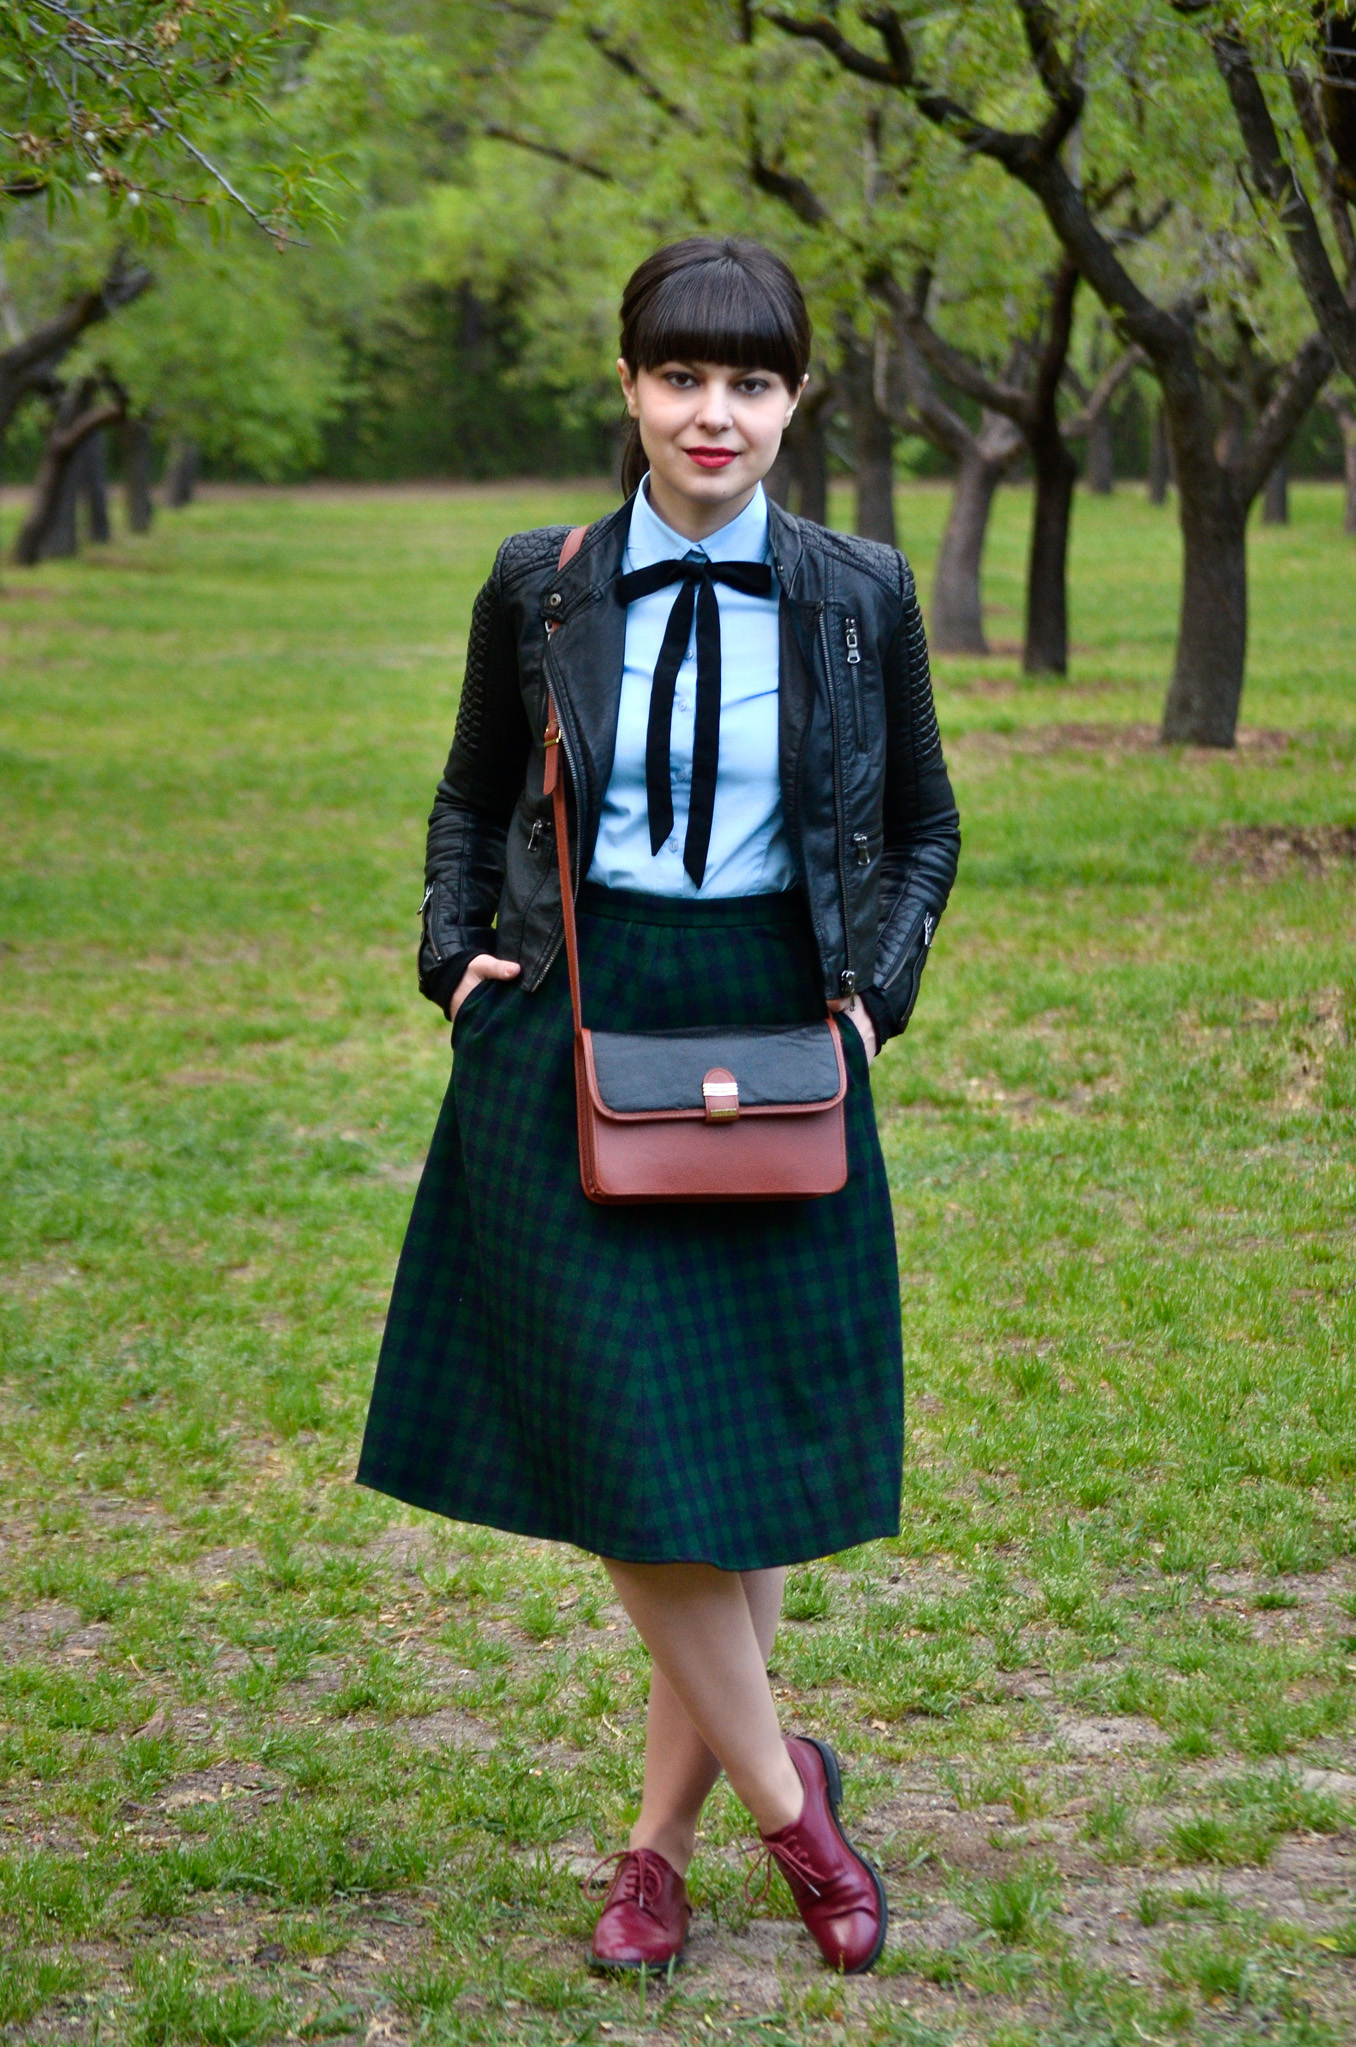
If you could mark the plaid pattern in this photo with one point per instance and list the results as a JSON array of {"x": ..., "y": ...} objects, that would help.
[{"x": 721, "y": 1384}]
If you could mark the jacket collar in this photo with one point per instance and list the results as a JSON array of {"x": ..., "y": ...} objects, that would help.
[
  {"x": 599, "y": 560},
  {"x": 786, "y": 548}
]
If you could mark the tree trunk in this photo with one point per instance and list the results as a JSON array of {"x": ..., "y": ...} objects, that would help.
[
  {"x": 1160, "y": 458},
  {"x": 1276, "y": 496},
  {"x": 799, "y": 478},
  {"x": 136, "y": 475},
  {"x": 956, "y": 624},
  {"x": 812, "y": 462},
  {"x": 181, "y": 476},
  {"x": 79, "y": 415},
  {"x": 1099, "y": 473},
  {"x": 60, "y": 536},
  {"x": 1047, "y": 583},
  {"x": 91, "y": 484},
  {"x": 1346, "y": 419},
  {"x": 779, "y": 485},
  {"x": 873, "y": 446},
  {"x": 1212, "y": 633}
]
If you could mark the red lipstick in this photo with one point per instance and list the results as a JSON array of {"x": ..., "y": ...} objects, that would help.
[{"x": 711, "y": 458}]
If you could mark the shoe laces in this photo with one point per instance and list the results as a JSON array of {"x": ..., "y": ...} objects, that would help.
[
  {"x": 639, "y": 1879},
  {"x": 790, "y": 1861}
]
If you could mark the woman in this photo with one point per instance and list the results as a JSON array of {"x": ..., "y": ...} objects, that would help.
[{"x": 699, "y": 1395}]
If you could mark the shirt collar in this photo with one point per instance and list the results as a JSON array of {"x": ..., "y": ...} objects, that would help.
[{"x": 652, "y": 540}]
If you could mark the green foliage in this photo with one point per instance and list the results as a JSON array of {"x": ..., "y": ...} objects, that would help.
[
  {"x": 120, "y": 98},
  {"x": 228, "y": 353}
]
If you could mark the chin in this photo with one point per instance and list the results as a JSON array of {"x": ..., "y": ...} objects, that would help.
[{"x": 712, "y": 483}]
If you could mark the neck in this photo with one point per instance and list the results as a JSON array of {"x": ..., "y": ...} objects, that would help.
[{"x": 694, "y": 519}]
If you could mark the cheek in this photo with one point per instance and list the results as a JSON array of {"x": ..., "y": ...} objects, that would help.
[
  {"x": 664, "y": 416},
  {"x": 762, "y": 424}
]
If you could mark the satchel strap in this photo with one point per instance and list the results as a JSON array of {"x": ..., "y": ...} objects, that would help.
[{"x": 553, "y": 785}]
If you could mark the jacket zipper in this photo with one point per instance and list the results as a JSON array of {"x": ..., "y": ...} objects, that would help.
[
  {"x": 427, "y": 922},
  {"x": 847, "y": 980},
  {"x": 852, "y": 647},
  {"x": 563, "y": 744}
]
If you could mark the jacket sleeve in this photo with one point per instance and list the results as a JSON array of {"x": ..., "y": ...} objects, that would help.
[
  {"x": 922, "y": 825},
  {"x": 468, "y": 828}
]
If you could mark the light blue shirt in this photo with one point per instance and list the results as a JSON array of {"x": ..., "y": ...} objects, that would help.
[{"x": 749, "y": 854}]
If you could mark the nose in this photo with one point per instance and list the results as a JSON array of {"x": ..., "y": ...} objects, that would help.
[{"x": 715, "y": 414}]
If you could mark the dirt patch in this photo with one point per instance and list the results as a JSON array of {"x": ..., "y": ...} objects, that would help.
[
  {"x": 1256, "y": 742},
  {"x": 1269, "y": 850},
  {"x": 41, "y": 1627}
]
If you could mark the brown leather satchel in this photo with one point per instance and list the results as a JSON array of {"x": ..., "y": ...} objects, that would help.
[{"x": 745, "y": 1114}]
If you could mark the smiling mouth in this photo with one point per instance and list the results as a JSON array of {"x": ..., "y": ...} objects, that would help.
[{"x": 711, "y": 458}]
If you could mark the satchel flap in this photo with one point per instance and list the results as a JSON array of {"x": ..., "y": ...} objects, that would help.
[{"x": 774, "y": 1066}]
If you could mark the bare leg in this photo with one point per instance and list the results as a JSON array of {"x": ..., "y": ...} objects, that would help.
[
  {"x": 714, "y": 1706},
  {"x": 680, "y": 1769}
]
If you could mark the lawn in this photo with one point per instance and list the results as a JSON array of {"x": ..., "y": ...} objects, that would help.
[{"x": 282, "y": 1760}]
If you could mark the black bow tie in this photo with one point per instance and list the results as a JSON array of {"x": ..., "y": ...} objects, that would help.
[{"x": 699, "y": 578}]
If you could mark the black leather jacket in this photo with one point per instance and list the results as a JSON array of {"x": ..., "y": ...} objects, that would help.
[{"x": 867, "y": 803}]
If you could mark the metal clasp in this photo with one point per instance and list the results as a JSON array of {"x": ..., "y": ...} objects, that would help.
[{"x": 720, "y": 1093}]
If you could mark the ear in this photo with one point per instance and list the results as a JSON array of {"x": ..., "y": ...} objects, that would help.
[
  {"x": 795, "y": 401},
  {"x": 628, "y": 384}
]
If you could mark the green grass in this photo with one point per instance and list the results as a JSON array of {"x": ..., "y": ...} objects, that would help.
[{"x": 278, "y": 1759}]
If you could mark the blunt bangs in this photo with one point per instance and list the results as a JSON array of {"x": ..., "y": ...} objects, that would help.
[{"x": 730, "y": 302}]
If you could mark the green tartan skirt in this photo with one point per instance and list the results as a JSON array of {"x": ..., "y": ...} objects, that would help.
[{"x": 715, "y": 1383}]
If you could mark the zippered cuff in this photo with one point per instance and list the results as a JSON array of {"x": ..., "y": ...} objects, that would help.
[{"x": 904, "y": 982}]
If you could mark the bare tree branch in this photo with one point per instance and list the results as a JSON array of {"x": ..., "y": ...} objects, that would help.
[
  {"x": 549, "y": 150},
  {"x": 1297, "y": 387},
  {"x": 1103, "y": 391},
  {"x": 820, "y": 29},
  {"x": 27, "y": 362},
  {"x": 958, "y": 369},
  {"x": 621, "y": 60},
  {"x": 1306, "y": 106},
  {"x": 1335, "y": 314},
  {"x": 793, "y": 191}
]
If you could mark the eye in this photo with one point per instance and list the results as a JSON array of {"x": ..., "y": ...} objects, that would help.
[
  {"x": 753, "y": 387},
  {"x": 681, "y": 380}
]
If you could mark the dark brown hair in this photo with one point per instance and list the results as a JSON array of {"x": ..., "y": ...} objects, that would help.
[{"x": 711, "y": 299}]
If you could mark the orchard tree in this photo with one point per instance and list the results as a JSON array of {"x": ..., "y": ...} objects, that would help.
[
  {"x": 717, "y": 118},
  {"x": 1070, "y": 101},
  {"x": 238, "y": 356},
  {"x": 1300, "y": 139},
  {"x": 118, "y": 105}
]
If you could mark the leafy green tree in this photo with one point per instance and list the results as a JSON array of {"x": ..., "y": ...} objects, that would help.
[
  {"x": 1071, "y": 102},
  {"x": 1314, "y": 49}
]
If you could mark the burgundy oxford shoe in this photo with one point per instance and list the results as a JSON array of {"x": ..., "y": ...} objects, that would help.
[
  {"x": 840, "y": 1896},
  {"x": 645, "y": 1913}
]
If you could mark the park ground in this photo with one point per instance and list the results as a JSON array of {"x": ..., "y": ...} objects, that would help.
[{"x": 283, "y": 1760}]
